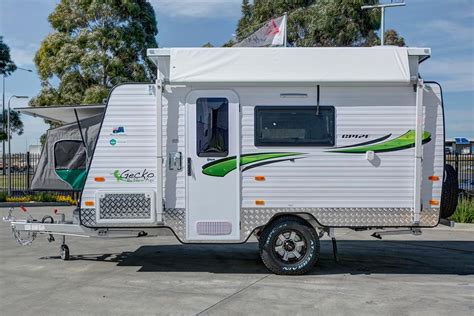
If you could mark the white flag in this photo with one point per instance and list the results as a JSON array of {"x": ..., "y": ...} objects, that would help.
[{"x": 273, "y": 33}]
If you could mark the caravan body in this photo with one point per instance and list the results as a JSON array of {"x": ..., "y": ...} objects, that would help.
[
  {"x": 228, "y": 139},
  {"x": 282, "y": 143}
]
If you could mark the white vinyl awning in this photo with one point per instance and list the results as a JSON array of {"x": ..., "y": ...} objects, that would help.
[
  {"x": 63, "y": 114},
  {"x": 307, "y": 65}
]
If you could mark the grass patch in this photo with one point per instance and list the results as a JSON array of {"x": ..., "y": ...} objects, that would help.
[
  {"x": 39, "y": 197},
  {"x": 465, "y": 211}
]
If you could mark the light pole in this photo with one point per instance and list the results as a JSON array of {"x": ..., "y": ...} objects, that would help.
[
  {"x": 9, "y": 142},
  {"x": 3, "y": 117},
  {"x": 382, "y": 7}
]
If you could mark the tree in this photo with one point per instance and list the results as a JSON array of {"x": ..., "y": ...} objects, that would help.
[
  {"x": 391, "y": 37},
  {"x": 315, "y": 22},
  {"x": 7, "y": 66},
  {"x": 95, "y": 45},
  {"x": 229, "y": 43},
  {"x": 246, "y": 19},
  {"x": 16, "y": 125}
]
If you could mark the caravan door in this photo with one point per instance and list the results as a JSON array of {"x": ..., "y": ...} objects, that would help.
[{"x": 212, "y": 165}]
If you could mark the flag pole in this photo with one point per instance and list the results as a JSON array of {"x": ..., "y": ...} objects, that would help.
[{"x": 286, "y": 29}]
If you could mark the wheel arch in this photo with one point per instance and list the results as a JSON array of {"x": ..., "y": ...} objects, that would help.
[{"x": 309, "y": 218}]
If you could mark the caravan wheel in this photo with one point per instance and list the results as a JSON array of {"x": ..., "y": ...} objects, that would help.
[
  {"x": 449, "y": 192},
  {"x": 64, "y": 252},
  {"x": 289, "y": 245}
]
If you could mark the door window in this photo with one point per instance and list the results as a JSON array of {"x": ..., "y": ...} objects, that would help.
[{"x": 212, "y": 127}]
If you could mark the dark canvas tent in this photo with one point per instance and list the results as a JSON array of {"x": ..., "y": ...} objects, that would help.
[{"x": 65, "y": 156}]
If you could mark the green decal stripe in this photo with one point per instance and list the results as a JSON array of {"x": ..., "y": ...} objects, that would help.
[
  {"x": 404, "y": 141},
  {"x": 74, "y": 177},
  {"x": 221, "y": 167}
]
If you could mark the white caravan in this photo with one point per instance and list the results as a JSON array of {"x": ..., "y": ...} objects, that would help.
[{"x": 281, "y": 143}]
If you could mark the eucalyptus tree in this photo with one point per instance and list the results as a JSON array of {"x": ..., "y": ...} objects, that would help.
[
  {"x": 95, "y": 44},
  {"x": 7, "y": 67}
]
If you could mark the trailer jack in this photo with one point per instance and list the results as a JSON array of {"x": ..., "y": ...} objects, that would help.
[
  {"x": 64, "y": 249},
  {"x": 330, "y": 232},
  {"x": 413, "y": 231}
]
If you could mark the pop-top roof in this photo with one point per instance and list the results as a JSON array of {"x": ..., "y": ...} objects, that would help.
[{"x": 304, "y": 65}]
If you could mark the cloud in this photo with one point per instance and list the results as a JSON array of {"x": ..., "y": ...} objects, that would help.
[
  {"x": 455, "y": 75},
  {"x": 198, "y": 8},
  {"x": 453, "y": 53},
  {"x": 23, "y": 54},
  {"x": 455, "y": 31},
  {"x": 459, "y": 122}
]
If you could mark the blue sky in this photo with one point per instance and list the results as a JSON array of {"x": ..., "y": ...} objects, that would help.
[{"x": 445, "y": 26}]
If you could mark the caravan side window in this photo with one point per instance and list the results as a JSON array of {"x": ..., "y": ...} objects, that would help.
[
  {"x": 69, "y": 154},
  {"x": 294, "y": 126},
  {"x": 212, "y": 127}
]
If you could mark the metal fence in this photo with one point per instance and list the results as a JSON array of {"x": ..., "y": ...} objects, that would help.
[
  {"x": 23, "y": 166},
  {"x": 464, "y": 165}
]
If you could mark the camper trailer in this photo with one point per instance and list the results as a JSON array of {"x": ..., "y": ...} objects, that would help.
[{"x": 285, "y": 144}]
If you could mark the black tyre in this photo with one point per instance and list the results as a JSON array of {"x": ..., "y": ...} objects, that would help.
[
  {"x": 289, "y": 246},
  {"x": 64, "y": 252},
  {"x": 450, "y": 190}
]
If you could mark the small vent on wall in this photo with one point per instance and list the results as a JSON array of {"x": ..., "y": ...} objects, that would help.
[{"x": 214, "y": 228}]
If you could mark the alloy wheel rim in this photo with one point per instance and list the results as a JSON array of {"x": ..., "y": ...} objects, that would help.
[{"x": 290, "y": 246}]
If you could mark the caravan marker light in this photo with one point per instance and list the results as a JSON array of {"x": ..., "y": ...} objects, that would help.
[
  {"x": 89, "y": 203},
  {"x": 433, "y": 178},
  {"x": 259, "y": 178},
  {"x": 259, "y": 202},
  {"x": 434, "y": 202},
  {"x": 99, "y": 179}
]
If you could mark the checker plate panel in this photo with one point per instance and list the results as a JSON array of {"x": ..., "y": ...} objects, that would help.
[
  {"x": 125, "y": 206},
  {"x": 341, "y": 217}
]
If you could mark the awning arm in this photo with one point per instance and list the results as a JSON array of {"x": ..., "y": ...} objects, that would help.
[{"x": 80, "y": 132}]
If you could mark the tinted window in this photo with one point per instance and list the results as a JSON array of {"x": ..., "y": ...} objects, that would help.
[
  {"x": 294, "y": 126},
  {"x": 69, "y": 154},
  {"x": 212, "y": 127}
]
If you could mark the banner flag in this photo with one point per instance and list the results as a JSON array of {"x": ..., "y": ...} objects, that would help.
[{"x": 272, "y": 33}]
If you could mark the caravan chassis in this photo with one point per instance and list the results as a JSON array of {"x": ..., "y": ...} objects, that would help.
[{"x": 25, "y": 231}]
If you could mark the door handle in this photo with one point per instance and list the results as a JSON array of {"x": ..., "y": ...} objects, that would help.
[{"x": 190, "y": 172}]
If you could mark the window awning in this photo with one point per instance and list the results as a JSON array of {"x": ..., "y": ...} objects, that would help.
[{"x": 63, "y": 114}]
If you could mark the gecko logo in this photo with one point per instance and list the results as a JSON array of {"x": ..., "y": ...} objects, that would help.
[{"x": 130, "y": 176}]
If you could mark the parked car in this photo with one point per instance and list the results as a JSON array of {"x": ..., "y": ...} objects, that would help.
[{"x": 466, "y": 186}]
